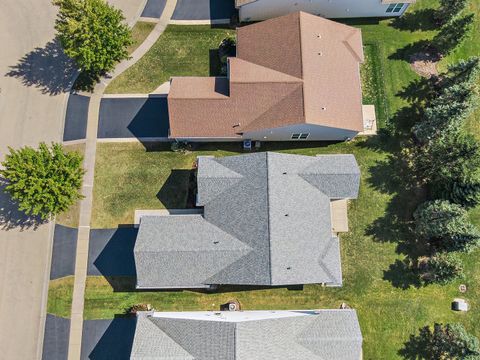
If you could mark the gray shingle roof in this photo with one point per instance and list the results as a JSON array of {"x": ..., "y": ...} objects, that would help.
[
  {"x": 268, "y": 215},
  {"x": 322, "y": 335}
]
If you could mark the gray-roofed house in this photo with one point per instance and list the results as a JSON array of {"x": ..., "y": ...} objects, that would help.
[
  {"x": 267, "y": 221},
  {"x": 248, "y": 335}
]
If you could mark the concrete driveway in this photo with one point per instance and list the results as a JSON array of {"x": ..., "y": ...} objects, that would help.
[
  {"x": 35, "y": 78},
  {"x": 204, "y": 10}
]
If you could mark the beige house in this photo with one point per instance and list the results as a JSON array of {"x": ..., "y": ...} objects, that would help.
[{"x": 295, "y": 77}]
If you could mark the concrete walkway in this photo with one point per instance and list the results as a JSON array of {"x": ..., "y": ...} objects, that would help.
[{"x": 81, "y": 265}]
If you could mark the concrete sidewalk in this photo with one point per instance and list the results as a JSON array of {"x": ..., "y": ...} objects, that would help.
[{"x": 81, "y": 264}]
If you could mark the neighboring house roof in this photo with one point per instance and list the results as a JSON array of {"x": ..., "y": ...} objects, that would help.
[
  {"x": 239, "y": 3},
  {"x": 248, "y": 335},
  {"x": 266, "y": 221},
  {"x": 294, "y": 69}
]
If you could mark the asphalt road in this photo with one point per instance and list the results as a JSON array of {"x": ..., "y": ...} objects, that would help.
[{"x": 35, "y": 78}]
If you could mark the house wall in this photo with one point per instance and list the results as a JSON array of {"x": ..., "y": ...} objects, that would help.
[
  {"x": 317, "y": 133},
  {"x": 266, "y": 9}
]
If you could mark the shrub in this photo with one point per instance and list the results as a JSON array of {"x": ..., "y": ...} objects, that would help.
[
  {"x": 44, "y": 181},
  {"x": 138, "y": 307},
  {"x": 226, "y": 49},
  {"x": 180, "y": 146}
]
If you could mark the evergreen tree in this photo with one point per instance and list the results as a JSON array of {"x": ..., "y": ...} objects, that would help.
[
  {"x": 445, "y": 226},
  {"x": 466, "y": 193},
  {"x": 450, "y": 341},
  {"x": 464, "y": 72},
  {"x": 93, "y": 33},
  {"x": 44, "y": 181},
  {"x": 457, "y": 98},
  {"x": 452, "y": 157},
  {"x": 441, "y": 268},
  {"x": 449, "y": 9}
]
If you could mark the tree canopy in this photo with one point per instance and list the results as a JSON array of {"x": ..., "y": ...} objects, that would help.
[
  {"x": 450, "y": 341},
  {"x": 44, "y": 181},
  {"x": 93, "y": 33},
  {"x": 441, "y": 268},
  {"x": 445, "y": 226}
]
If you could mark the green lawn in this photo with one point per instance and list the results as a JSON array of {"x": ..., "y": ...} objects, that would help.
[
  {"x": 60, "y": 294},
  {"x": 389, "y": 305},
  {"x": 140, "y": 31},
  {"x": 180, "y": 51}
]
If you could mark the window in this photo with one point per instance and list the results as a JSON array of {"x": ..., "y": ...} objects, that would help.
[
  {"x": 395, "y": 7},
  {"x": 300, "y": 136}
]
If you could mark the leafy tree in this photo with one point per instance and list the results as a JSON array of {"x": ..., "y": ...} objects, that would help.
[
  {"x": 441, "y": 268},
  {"x": 450, "y": 341},
  {"x": 445, "y": 226},
  {"x": 452, "y": 34},
  {"x": 93, "y": 33},
  {"x": 45, "y": 181},
  {"x": 449, "y": 9}
]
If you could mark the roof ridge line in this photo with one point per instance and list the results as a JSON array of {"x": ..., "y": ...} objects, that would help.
[
  {"x": 266, "y": 67},
  {"x": 346, "y": 42},
  {"x": 322, "y": 257},
  {"x": 171, "y": 338},
  {"x": 301, "y": 66},
  {"x": 281, "y": 99},
  {"x": 268, "y": 222}
]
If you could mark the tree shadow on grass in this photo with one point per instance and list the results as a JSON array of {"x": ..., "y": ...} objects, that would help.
[
  {"x": 401, "y": 275},
  {"x": 422, "y": 20},
  {"x": 421, "y": 46},
  {"x": 47, "y": 69},
  {"x": 395, "y": 176},
  {"x": 416, "y": 347},
  {"x": 13, "y": 218}
]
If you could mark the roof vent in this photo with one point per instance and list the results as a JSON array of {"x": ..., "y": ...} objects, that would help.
[
  {"x": 289, "y": 268},
  {"x": 236, "y": 125},
  {"x": 319, "y": 36},
  {"x": 286, "y": 214},
  {"x": 324, "y": 108},
  {"x": 320, "y": 53},
  {"x": 216, "y": 242},
  {"x": 284, "y": 173}
]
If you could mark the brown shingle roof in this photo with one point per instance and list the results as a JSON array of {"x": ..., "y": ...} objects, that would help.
[{"x": 297, "y": 68}]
